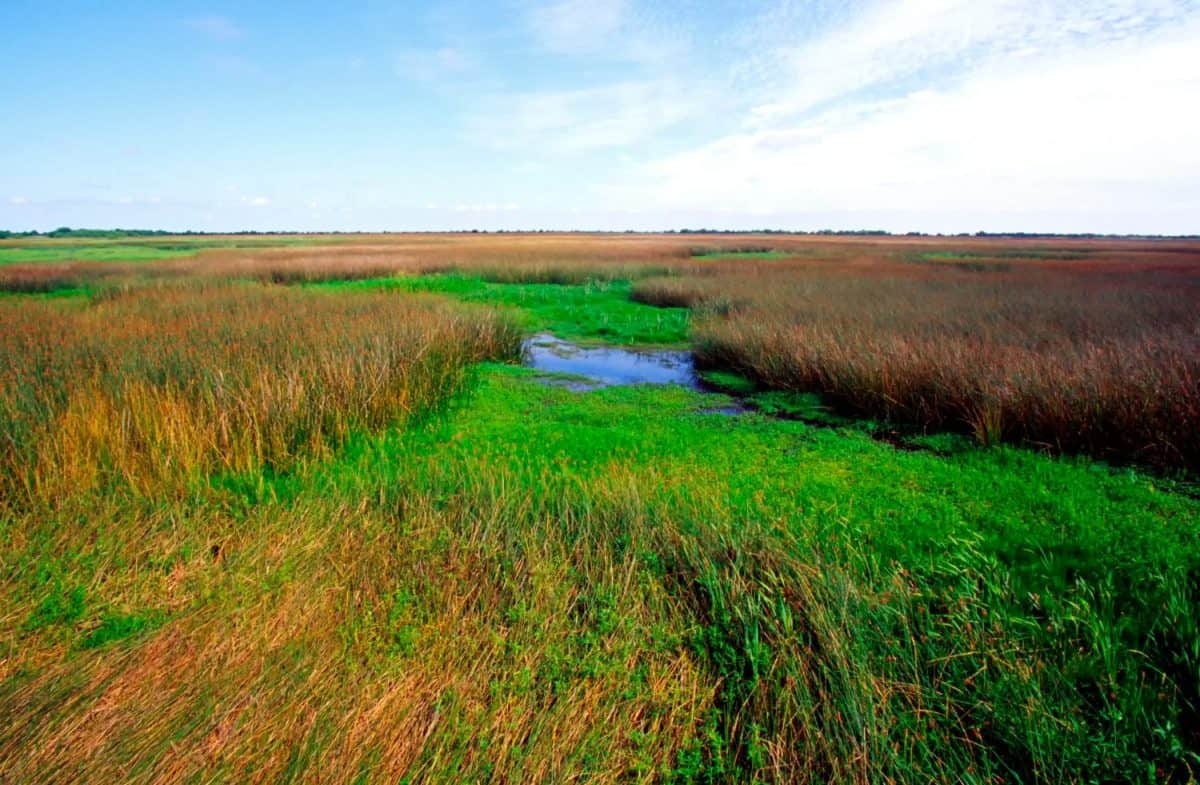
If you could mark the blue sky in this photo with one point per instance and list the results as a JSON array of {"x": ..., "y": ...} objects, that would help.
[{"x": 931, "y": 115}]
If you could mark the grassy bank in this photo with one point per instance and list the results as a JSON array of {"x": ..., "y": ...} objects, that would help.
[
  {"x": 595, "y": 310},
  {"x": 540, "y": 584}
]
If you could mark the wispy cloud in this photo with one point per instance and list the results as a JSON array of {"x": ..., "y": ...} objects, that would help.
[
  {"x": 609, "y": 116},
  {"x": 1025, "y": 116},
  {"x": 578, "y": 26},
  {"x": 218, "y": 27},
  {"x": 628, "y": 73},
  {"x": 888, "y": 46},
  {"x": 613, "y": 30}
]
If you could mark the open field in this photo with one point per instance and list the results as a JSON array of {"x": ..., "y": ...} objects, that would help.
[
  {"x": 1074, "y": 345},
  {"x": 293, "y": 512}
]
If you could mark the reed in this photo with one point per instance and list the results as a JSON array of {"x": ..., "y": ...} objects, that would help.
[
  {"x": 155, "y": 386},
  {"x": 1101, "y": 363}
]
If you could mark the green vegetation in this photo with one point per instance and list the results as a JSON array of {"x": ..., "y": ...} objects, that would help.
[
  {"x": 332, "y": 533},
  {"x": 740, "y": 253},
  {"x": 117, "y": 627},
  {"x": 94, "y": 249},
  {"x": 1007, "y": 253},
  {"x": 52, "y": 292},
  {"x": 728, "y": 382},
  {"x": 594, "y": 311},
  {"x": 92, "y": 234},
  {"x": 96, "y": 253},
  {"x": 962, "y": 579}
]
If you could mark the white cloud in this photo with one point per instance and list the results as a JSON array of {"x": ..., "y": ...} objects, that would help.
[
  {"x": 618, "y": 31},
  {"x": 255, "y": 201},
  {"x": 218, "y": 27},
  {"x": 1105, "y": 130},
  {"x": 578, "y": 26},
  {"x": 588, "y": 119},
  {"x": 643, "y": 87},
  {"x": 928, "y": 40},
  {"x": 18, "y": 200}
]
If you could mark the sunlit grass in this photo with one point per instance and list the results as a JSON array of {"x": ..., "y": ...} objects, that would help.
[
  {"x": 1103, "y": 362},
  {"x": 259, "y": 532},
  {"x": 535, "y": 567},
  {"x": 597, "y": 310},
  {"x": 166, "y": 384},
  {"x": 101, "y": 253}
]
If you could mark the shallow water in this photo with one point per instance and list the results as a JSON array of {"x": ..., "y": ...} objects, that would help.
[
  {"x": 735, "y": 410},
  {"x": 608, "y": 366}
]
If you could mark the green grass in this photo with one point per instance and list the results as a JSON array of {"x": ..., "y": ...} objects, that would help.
[
  {"x": 68, "y": 293},
  {"x": 1006, "y": 253},
  {"x": 529, "y": 583},
  {"x": 758, "y": 254},
  {"x": 94, "y": 253},
  {"x": 32, "y": 251},
  {"x": 599, "y": 311},
  {"x": 119, "y": 626},
  {"x": 1024, "y": 578},
  {"x": 728, "y": 382}
]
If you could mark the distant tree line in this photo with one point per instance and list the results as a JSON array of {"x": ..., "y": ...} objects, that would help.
[
  {"x": 66, "y": 231},
  {"x": 109, "y": 234}
]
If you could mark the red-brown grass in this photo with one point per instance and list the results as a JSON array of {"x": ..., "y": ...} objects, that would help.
[{"x": 1104, "y": 360}]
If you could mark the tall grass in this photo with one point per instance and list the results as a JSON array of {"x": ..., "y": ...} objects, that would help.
[
  {"x": 151, "y": 386},
  {"x": 502, "y": 599},
  {"x": 545, "y": 587},
  {"x": 51, "y": 277},
  {"x": 1100, "y": 361}
]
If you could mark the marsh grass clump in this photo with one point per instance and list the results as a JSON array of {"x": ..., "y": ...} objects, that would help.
[
  {"x": 163, "y": 384},
  {"x": 35, "y": 279},
  {"x": 671, "y": 292},
  {"x": 67, "y": 276},
  {"x": 296, "y": 265},
  {"x": 1105, "y": 364}
]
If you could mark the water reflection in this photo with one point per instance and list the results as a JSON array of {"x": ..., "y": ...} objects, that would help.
[{"x": 608, "y": 366}]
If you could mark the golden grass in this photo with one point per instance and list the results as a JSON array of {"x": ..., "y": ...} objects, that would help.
[
  {"x": 146, "y": 389},
  {"x": 319, "y": 646}
]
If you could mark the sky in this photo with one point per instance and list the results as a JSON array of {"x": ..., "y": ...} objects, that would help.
[{"x": 921, "y": 115}]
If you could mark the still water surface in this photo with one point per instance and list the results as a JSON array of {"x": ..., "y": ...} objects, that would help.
[{"x": 608, "y": 366}]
